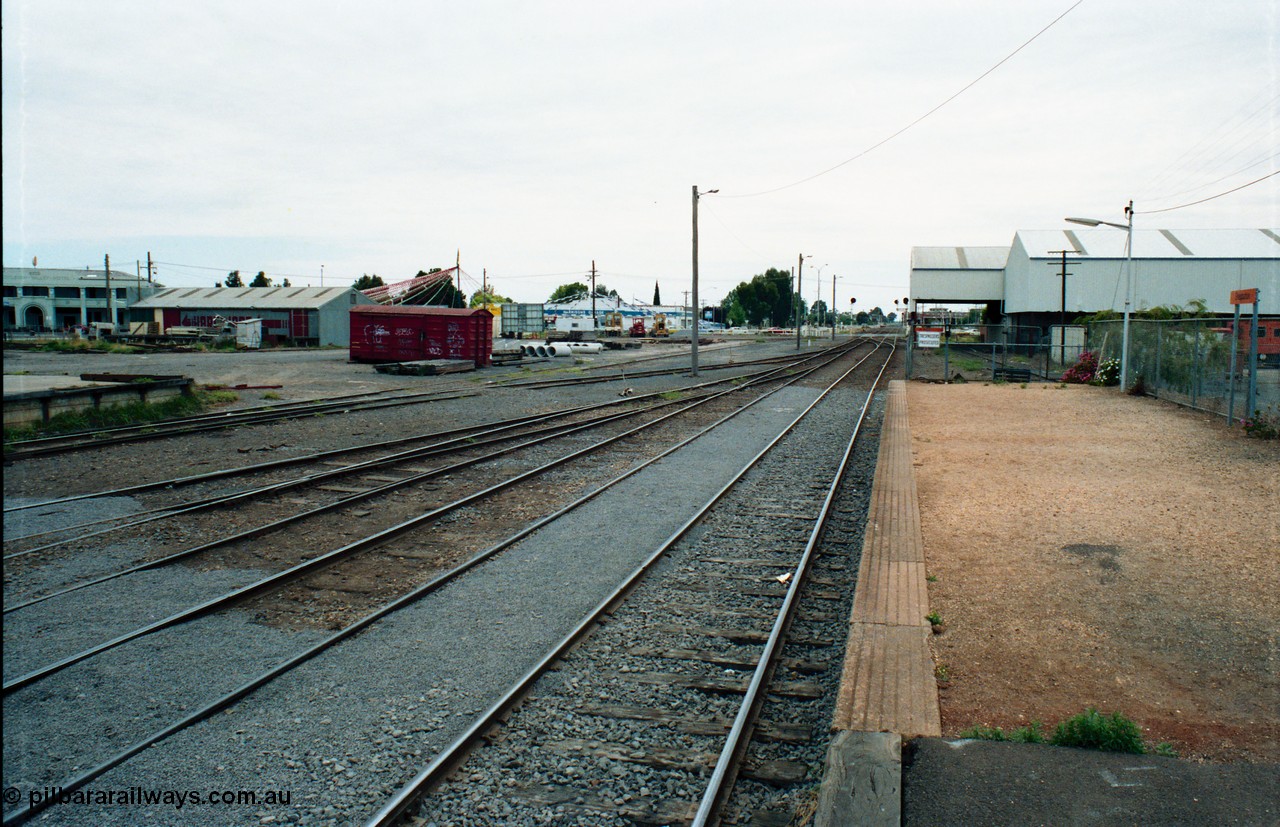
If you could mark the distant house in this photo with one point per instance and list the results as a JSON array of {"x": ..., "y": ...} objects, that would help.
[
  {"x": 47, "y": 298},
  {"x": 302, "y": 315}
]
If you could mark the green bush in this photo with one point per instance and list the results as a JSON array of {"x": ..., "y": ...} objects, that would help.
[
  {"x": 1093, "y": 730},
  {"x": 1088, "y": 730}
]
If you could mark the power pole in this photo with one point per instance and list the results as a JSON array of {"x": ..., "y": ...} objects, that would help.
[
  {"x": 834, "y": 313},
  {"x": 799, "y": 300},
  {"x": 106, "y": 273},
  {"x": 1062, "y": 308},
  {"x": 593, "y": 294},
  {"x": 693, "y": 329}
]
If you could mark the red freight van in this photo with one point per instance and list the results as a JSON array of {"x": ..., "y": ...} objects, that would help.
[{"x": 409, "y": 333}]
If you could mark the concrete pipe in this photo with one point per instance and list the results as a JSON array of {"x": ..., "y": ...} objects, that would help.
[
  {"x": 559, "y": 349},
  {"x": 585, "y": 347},
  {"x": 543, "y": 351}
]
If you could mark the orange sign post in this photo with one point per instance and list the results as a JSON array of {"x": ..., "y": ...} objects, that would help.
[{"x": 1238, "y": 297}]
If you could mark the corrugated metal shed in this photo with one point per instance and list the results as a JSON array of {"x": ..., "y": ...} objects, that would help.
[
  {"x": 1170, "y": 267},
  {"x": 958, "y": 274},
  {"x": 959, "y": 258},
  {"x": 1108, "y": 242},
  {"x": 250, "y": 298}
]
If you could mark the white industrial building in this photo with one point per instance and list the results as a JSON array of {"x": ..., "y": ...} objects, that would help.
[
  {"x": 1022, "y": 285},
  {"x": 303, "y": 315}
]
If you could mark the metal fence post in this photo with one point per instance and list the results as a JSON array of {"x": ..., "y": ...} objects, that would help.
[
  {"x": 1156, "y": 384},
  {"x": 1195, "y": 365}
]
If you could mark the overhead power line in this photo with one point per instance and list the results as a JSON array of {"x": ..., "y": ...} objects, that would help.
[
  {"x": 1211, "y": 197},
  {"x": 884, "y": 141}
]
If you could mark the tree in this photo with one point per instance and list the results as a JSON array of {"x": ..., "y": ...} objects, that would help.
[
  {"x": 819, "y": 313},
  {"x": 767, "y": 296},
  {"x": 568, "y": 291},
  {"x": 234, "y": 280},
  {"x": 657, "y": 298},
  {"x": 366, "y": 282},
  {"x": 260, "y": 280},
  {"x": 286, "y": 283},
  {"x": 482, "y": 297}
]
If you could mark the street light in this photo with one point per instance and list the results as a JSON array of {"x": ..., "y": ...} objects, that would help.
[
  {"x": 799, "y": 298},
  {"x": 693, "y": 329},
  {"x": 1128, "y": 282}
]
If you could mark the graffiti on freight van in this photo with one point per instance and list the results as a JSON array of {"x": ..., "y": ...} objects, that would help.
[
  {"x": 455, "y": 340},
  {"x": 375, "y": 334}
]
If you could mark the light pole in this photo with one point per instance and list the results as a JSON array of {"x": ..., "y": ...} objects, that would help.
[
  {"x": 1128, "y": 283},
  {"x": 693, "y": 327},
  {"x": 799, "y": 300}
]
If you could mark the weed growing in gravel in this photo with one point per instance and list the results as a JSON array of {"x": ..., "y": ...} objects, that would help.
[
  {"x": 932, "y": 578},
  {"x": 1022, "y": 735},
  {"x": 670, "y": 396},
  {"x": 116, "y": 416},
  {"x": 271, "y": 395},
  {"x": 934, "y": 619},
  {"x": 1088, "y": 730},
  {"x": 1166, "y": 749},
  {"x": 1093, "y": 730},
  {"x": 942, "y": 673}
]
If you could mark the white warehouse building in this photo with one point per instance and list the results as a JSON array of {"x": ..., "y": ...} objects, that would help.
[{"x": 1022, "y": 283}]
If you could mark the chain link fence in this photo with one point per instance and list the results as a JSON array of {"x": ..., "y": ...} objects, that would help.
[
  {"x": 1009, "y": 354},
  {"x": 1190, "y": 362},
  {"x": 1186, "y": 361}
]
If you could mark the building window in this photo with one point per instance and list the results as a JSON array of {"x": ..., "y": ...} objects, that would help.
[
  {"x": 122, "y": 292},
  {"x": 10, "y": 292},
  {"x": 95, "y": 292},
  {"x": 35, "y": 291},
  {"x": 66, "y": 292}
]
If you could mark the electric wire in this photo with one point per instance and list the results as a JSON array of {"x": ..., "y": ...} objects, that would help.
[
  {"x": 1211, "y": 197},
  {"x": 884, "y": 141}
]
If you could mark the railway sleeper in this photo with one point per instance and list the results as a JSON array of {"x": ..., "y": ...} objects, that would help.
[
  {"x": 786, "y": 733},
  {"x": 727, "y": 686},
  {"x": 745, "y": 661}
]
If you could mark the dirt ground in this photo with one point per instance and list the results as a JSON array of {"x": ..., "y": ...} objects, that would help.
[{"x": 1088, "y": 548}]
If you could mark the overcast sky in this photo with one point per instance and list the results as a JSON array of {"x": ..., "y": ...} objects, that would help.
[{"x": 535, "y": 137}]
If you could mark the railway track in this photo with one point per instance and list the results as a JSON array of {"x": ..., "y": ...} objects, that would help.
[
  {"x": 667, "y": 688},
  {"x": 404, "y": 599},
  {"x": 304, "y": 561}
]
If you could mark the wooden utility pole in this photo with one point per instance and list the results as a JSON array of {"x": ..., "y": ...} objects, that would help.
[
  {"x": 799, "y": 301},
  {"x": 834, "y": 313},
  {"x": 593, "y": 294},
  {"x": 150, "y": 267},
  {"x": 106, "y": 274}
]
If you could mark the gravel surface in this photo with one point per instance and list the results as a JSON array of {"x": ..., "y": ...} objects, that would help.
[
  {"x": 1097, "y": 549},
  {"x": 339, "y": 709}
]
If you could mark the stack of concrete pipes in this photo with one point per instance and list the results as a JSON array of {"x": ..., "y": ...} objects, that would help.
[{"x": 560, "y": 349}]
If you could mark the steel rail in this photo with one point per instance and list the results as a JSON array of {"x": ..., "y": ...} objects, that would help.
[
  {"x": 372, "y": 541},
  {"x": 451, "y": 756},
  {"x": 210, "y": 475},
  {"x": 160, "y": 431},
  {"x": 26, "y": 813},
  {"x": 723, "y": 776},
  {"x": 448, "y": 446},
  {"x": 321, "y": 455},
  {"x": 545, "y": 435}
]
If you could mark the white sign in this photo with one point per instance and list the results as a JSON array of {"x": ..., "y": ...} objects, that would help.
[{"x": 928, "y": 337}]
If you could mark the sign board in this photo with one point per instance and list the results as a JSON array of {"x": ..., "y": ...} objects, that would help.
[
  {"x": 1249, "y": 296},
  {"x": 928, "y": 337}
]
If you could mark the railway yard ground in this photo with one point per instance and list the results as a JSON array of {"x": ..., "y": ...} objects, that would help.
[{"x": 1084, "y": 549}]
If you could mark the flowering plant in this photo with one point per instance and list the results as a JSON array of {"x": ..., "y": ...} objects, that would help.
[
  {"x": 1083, "y": 371},
  {"x": 1108, "y": 373},
  {"x": 1262, "y": 425}
]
